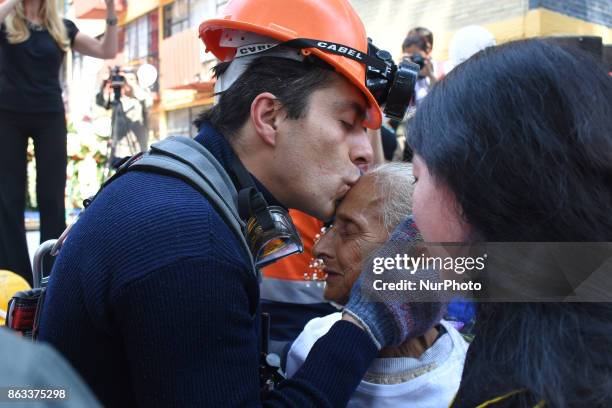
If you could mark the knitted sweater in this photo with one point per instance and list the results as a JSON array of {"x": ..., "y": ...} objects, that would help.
[{"x": 152, "y": 301}]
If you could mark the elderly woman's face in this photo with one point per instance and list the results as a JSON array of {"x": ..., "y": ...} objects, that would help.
[
  {"x": 436, "y": 212},
  {"x": 358, "y": 230}
]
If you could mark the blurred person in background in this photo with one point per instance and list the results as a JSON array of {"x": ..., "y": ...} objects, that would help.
[
  {"x": 523, "y": 155},
  {"x": 426, "y": 35},
  {"x": 423, "y": 371},
  {"x": 136, "y": 102},
  {"x": 467, "y": 42},
  {"x": 416, "y": 47},
  {"x": 33, "y": 43}
]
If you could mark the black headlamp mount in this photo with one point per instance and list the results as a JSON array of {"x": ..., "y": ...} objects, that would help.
[{"x": 391, "y": 85}]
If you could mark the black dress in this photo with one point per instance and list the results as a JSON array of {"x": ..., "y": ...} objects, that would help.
[{"x": 31, "y": 105}]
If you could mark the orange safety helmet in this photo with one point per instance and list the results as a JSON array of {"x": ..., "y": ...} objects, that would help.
[{"x": 333, "y": 21}]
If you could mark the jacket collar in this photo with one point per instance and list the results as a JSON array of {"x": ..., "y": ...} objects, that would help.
[{"x": 218, "y": 145}]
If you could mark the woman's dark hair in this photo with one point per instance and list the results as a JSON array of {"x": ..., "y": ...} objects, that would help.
[
  {"x": 292, "y": 83},
  {"x": 522, "y": 135}
]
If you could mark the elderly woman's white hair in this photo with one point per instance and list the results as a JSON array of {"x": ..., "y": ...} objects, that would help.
[{"x": 395, "y": 182}]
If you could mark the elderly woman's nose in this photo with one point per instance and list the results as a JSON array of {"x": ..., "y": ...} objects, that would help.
[{"x": 323, "y": 244}]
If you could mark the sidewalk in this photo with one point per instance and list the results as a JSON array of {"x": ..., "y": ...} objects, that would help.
[
  {"x": 32, "y": 223},
  {"x": 33, "y": 238}
]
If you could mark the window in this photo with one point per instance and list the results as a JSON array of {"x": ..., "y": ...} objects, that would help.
[
  {"x": 180, "y": 121},
  {"x": 141, "y": 42},
  {"x": 176, "y": 17},
  {"x": 183, "y": 14}
]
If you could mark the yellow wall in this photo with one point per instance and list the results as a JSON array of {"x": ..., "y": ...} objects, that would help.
[
  {"x": 552, "y": 23},
  {"x": 535, "y": 23},
  {"x": 137, "y": 8}
]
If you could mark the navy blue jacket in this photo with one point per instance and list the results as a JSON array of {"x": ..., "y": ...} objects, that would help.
[{"x": 152, "y": 301}]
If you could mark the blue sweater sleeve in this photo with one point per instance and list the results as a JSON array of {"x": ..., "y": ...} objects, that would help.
[
  {"x": 335, "y": 365},
  {"x": 189, "y": 342},
  {"x": 201, "y": 348}
]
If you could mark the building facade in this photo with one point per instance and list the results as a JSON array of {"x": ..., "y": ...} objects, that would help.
[{"x": 164, "y": 33}]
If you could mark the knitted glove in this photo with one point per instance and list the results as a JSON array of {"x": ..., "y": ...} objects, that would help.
[{"x": 391, "y": 317}]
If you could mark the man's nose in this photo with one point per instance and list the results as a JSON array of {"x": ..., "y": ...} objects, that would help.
[{"x": 361, "y": 153}]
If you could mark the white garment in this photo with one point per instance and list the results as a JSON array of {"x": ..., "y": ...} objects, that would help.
[
  {"x": 441, "y": 366},
  {"x": 421, "y": 89}
]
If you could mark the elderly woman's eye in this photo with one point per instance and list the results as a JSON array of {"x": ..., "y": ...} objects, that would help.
[
  {"x": 414, "y": 179},
  {"x": 349, "y": 230}
]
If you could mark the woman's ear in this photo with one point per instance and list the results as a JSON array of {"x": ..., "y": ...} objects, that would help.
[{"x": 265, "y": 113}]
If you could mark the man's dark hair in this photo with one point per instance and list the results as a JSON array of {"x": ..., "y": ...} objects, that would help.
[
  {"x": 422, "y": 32},
  {"x": 527, "y": 152},
  {"x": 414, "y": 40},
  {"x": 292, "y": 82}
]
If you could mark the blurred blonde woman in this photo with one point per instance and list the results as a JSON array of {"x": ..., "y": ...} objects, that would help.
[{"x": 33, "y": 42}]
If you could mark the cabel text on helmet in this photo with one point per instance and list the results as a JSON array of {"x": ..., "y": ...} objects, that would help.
[{"x": 341, "y": 49}]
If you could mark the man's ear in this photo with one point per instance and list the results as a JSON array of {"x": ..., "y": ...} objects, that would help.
[{"x": 265, "y": 113}]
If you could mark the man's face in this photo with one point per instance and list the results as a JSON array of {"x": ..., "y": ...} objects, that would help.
[
  {"x": 357, "y": 231},
  {"x": 318, "y": 156}
]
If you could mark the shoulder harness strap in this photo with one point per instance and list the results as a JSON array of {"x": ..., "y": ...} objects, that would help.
[{"x": 188, "y": 160}]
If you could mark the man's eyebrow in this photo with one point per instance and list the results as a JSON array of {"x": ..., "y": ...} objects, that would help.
[{"x": 342, "y": 106}]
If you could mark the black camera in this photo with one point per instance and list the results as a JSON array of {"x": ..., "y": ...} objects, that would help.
[
  {"x": 417, "y": 59},
  {"x": 391, "y": 84},
  {"x": 116, "y": 79}
]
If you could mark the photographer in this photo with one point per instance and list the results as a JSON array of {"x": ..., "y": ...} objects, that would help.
[
  {"x": 415, "y": 49},
  {"x": 124, "y": 93},
  {"x": 33, "y": 43}
]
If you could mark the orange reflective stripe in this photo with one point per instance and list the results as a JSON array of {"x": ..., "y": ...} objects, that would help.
[{"x": 287, "y": 291}]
